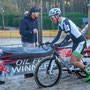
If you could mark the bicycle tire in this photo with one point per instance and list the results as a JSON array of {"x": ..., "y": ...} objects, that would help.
[
  {"x": 36, "y": 76},
  {"x": 81, "y": 74}
]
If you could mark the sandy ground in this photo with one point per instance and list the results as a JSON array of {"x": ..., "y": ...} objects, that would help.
[
  {"x": 67, "y": 82},
  {"x": 6, "y": 41}
]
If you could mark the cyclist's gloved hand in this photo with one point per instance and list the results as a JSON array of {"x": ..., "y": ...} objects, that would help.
[
  {"x": 46, "y": 43},
  {"x": 57, "y": 45}
]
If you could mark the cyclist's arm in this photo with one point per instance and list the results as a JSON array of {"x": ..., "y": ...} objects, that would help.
[
  {"x": 67, "y": 30},
  {"x": 57, "y": 37},
  {"x": 65, "y": 40}
]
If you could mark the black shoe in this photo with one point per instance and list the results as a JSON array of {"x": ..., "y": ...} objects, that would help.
[
  {"x": 2, "y": 82},
  {"x": 28, "y": 75}
]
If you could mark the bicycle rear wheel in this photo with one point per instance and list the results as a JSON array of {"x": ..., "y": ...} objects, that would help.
[
  {"x": 42, "y": 77},
  {"x": 86, "y": 62}
]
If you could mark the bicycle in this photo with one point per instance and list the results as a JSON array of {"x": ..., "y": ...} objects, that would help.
[{"x": 49, "y": 70}]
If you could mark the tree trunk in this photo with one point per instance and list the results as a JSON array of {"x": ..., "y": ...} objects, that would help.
[
  {"x": 63, "y": 7},
  {"x": 40, "y": 25}
]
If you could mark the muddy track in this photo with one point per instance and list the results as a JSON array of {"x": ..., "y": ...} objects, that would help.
[{"x": 67, "y": 82}]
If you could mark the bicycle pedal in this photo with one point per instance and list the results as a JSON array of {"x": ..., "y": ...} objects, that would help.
[
  {"x": 76, "y": 69},
  {"x": 65, "y": 69}
]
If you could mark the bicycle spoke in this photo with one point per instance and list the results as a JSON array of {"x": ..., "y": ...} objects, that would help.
[{"x": 48, "y": 76}]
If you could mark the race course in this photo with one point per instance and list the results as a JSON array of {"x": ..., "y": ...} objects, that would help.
[{"x": 67, "y": 82}]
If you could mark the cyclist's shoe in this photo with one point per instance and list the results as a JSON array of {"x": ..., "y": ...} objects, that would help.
[
  {"x": 87, "y": 71},
  {"x": 2, "y": 82},
  {"x": 88, "y": 78}
]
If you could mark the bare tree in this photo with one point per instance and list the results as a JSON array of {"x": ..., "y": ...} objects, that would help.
[{"x": 40, "y": 24}]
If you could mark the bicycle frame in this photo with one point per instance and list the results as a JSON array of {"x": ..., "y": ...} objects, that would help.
[
  {"x": 60, "y": 59},
  {"x": 49, "y": 70}
]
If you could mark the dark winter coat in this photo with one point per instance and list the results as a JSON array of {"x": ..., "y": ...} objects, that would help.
[{"x": 27, "y": 24}]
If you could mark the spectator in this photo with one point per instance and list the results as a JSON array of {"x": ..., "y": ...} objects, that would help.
[{"x": 29, "y": 28}]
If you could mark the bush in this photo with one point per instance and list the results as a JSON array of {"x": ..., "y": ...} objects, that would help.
[
  {"x": 76, "y": 18},
  {"x": 46, "y": 21},
  {"x": 47, "y": 24},
  {"x": 13, "y": 20},
  {"x": 10, "y": 20}
]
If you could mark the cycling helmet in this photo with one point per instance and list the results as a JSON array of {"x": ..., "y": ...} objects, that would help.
[{"x": 54, "y": 11}]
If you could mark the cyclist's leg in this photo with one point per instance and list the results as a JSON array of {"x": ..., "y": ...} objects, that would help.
[
  {"x": 76, "y": 61},
  {"x": 86, "y": 70},
  {"x": 76, "y": 58},
  {"x": 76, "y": 55}
]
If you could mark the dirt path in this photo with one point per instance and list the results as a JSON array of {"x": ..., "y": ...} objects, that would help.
[{"x": 67, "y": 82}]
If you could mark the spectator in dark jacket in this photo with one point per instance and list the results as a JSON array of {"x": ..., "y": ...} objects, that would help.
[{"x": 28, "y": 28}]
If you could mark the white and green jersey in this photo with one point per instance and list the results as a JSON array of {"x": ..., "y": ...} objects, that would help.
[{"x": 71, "y": 30}]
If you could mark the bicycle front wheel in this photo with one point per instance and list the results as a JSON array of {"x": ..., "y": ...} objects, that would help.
[{"x": 42, "y": 76}]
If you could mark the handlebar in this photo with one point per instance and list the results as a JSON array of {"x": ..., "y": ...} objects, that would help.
[
  {"x": 42, "y": 45},
  {"x": 52, "y": 46}
]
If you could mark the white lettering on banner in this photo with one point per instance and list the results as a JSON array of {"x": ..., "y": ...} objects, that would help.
[
  {"x": 24, "y": 68},
  {"x": 27, "y": 68},
  {"x": 36, "y": 60},
  {"x": 16, "y": 69},
  {"x": 25, "y": 65},
  {"x": 22, "y": 62}
]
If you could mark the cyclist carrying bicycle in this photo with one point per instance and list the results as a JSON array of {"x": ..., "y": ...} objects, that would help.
[{"x": 72, "y": 32}]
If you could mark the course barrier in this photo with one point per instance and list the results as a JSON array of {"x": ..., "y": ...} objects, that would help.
[{"x": 15, "y": 33}]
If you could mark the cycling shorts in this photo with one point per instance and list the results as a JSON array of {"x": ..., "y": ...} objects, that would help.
[{"x": 78, "y": 48}]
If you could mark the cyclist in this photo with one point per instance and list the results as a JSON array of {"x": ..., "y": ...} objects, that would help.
[{"x": 72, "y": 32}]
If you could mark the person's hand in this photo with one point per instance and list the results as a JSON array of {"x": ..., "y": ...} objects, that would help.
[
  {"x": 36, "y": 44},
  {"x": 35, "y": 30}
]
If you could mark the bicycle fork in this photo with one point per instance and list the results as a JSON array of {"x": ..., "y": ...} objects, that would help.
[
  {"x": 51, "y": 64},
  {"x": 69, "y": 69},
  {"x": 50, "y": 67}
]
